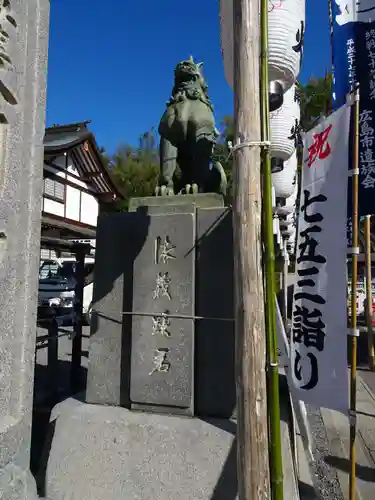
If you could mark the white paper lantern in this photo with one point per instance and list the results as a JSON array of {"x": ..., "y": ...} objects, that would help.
[
  {"x": 285, "y": 32},
  {"x": 283, "y": 123},
  {"x": 290, "y": 203},
  {"x": 281, "y": 245},
  {"x": 286, "y": 26},
  {"x": 289, "y": 220},
  {"x": 288, "y": 231},
  {"x": 292, "y": 236},
  {"x": 284, "y": 181},
  {"x": 291, "y": 242}
]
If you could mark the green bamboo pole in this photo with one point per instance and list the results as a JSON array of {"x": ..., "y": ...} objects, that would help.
[
  {"x": 275, "y": 452},
  {"x": 353, "y": 361}
]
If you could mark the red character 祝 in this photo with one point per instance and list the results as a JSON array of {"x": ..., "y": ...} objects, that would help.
[{"x": 320, "y": 149}]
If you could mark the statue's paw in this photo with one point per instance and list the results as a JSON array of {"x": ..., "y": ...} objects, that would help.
[
  {"x": 194, "y": 188},
  {"x": 170, "y": 191},
  {"x": 163, "y": 190},
  {"x": 187, "y": 189},
  {"x": 157, "y": 191}
]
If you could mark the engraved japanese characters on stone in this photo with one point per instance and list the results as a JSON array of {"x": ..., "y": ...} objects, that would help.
[
  {"x": 162, "y": 286},
  {"x": 160, "y": 325},
  {"x": 8, "y": 32},
  {"x": 164, "y": 250},
  {"x": 161, "y": 363},
  {"x": 163, "y": 253}
]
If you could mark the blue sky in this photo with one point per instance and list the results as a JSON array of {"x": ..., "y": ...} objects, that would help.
[{"x": 112, "y": 61}]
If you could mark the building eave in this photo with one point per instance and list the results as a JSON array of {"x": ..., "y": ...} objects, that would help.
[
  {"x": 78, "y": 141},
  {"x": 66, "y": 228}
]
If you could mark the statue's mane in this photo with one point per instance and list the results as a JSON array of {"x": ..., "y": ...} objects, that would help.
[{"x": 189, "y": 83}]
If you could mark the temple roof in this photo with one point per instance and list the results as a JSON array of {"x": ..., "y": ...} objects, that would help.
[{"x": 77, "y": 140}]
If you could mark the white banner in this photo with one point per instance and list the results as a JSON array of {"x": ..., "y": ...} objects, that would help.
[
  {"x": 319, "y": 324},
  {"x": 298, "y": 405}
]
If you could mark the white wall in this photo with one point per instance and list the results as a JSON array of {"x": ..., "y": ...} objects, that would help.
[
  {"x": 53, "y": 207},
  {"x": 89, "y": 209},
  {"x": 78, "y": 206}
]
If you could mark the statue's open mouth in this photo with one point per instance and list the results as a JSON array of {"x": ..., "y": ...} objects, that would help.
[{"x": 184, "y": 77}]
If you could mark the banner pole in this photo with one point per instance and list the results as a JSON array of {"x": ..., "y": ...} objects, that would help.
[
  {"x": 273, "y": 398},
  {"x": 370, "y": 338},
  {"x": 354, "y": 329}
]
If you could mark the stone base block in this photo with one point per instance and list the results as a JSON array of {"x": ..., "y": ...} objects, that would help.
[
  {"x": 17, "y": 484},
  {"x": 201, "y": 200},
  {"x": 110, "y": 453}
]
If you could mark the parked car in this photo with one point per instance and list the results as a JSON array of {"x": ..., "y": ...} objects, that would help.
[{"x": 57, "y": 288}]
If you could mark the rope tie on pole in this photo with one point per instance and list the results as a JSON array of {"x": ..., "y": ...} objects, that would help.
[
  {"x": 352, "y": 414},
  {"x": 353, "y": 332},
  {"x": 353, "y": 250},
  {"x": 247, "y": 144},
  {"x": 353, "y": 171}
]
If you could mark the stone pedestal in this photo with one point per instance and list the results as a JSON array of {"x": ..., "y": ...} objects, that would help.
[
  {"x": 162, "y": 341},
  {"x": 22, "y": 106},
  {"x": 107, "y": 453},
  {"x": 201, "y": 200},
  {"x": 110, "y": 453},
  {"x": 162, "y": 338}
]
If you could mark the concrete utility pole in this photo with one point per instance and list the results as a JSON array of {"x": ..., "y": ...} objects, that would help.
[{"x": 252, "y": 437}]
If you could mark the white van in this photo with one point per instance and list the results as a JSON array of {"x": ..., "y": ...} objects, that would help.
[{"x": 56, "y": 288}]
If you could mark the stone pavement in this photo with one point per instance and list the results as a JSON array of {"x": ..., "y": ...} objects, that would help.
[
  {"x": 328, "y": 477},
  {"x": 337, "y": 429}
]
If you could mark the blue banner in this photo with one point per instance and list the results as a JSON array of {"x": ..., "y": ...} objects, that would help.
[{"x": 353, "y": 45}]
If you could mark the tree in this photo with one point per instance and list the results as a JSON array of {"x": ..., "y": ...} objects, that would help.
[
  {"x": 228, "y": 132},
  {"x": 221, "y": 152},
  {"x": 135, "y": 171},
  {"x": 316, "y": 100}
]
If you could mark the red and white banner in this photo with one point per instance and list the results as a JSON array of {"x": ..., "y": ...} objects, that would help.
[{"x": 319, "y": 324}]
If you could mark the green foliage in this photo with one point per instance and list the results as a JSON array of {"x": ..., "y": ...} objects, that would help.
[
  {"x": 221, "y": 153},
  {"x": 135, "y": 170},
  {"x": 228, "y": 128},
  {"x": 316, "y": 100}
]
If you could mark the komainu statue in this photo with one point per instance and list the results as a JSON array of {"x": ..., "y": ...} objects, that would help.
[{"x": 188, "y": 136}]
